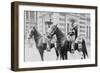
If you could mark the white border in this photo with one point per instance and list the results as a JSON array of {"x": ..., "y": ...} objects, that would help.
[{"x": 23, "y": 64}]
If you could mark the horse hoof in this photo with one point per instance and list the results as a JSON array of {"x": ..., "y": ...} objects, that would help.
[
  {"x": 81, "y": 58},
  {"x": 56, "y": 58}
]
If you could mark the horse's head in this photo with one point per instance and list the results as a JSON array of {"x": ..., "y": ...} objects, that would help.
[
  {"x": 32, "y": 32},
  {"x": 52, "y": 31}
]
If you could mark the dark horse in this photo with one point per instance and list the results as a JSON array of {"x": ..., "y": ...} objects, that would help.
[
  {"x": 39, "y": 42},
  {"x": 83, "y": 48},
  {"x": 64, "y": 45}
]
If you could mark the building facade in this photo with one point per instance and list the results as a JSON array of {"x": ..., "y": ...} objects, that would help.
[{"x": 39, "y": 19}]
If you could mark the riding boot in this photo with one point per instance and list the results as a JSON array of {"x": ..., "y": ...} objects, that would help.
[
  {"x": 48, "y": 46},
  {"x": 72, "y": 48}
]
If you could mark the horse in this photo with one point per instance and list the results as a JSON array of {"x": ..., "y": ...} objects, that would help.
[
  {"x": 62, "y": 43},
  {"x": 40, "y": 45},
  {"x": 82, "y": 47}
]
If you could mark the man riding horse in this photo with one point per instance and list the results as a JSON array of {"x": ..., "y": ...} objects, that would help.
[
  {"x": 49, "y": 40},
  {"x": 73, "y": 34}
]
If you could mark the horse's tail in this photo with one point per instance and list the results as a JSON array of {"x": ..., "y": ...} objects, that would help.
[
  {"x": 86, "y": 52},
  {"x": 85, "y": 48}
]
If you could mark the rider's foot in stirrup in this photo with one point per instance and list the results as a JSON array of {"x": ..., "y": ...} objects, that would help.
[
  {"x": 72, "y": 51},
  {"x": 48, "y": 50}
]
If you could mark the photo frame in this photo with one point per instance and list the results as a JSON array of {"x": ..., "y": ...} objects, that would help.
[{"x": 52, "y": 36}]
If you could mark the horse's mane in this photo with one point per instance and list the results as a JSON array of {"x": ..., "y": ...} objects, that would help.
[
  {"x": 37, "y": 35},
  {"x": 60, "y": 32},
  {"x": 36, "y": 32}
]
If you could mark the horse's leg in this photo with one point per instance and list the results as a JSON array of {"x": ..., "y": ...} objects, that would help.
[
  {"x": 66, "y": 55},
  {"x": 41, "y": 54},
  {"x": 60, "y": 51},
  {"x": 65, "y": 52},
  {"x": 84, "y": 55},
  {"x": 63, "y": 57},
  {"x": 57, "y": 53},
  {"x": 86, "y": 52}
]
